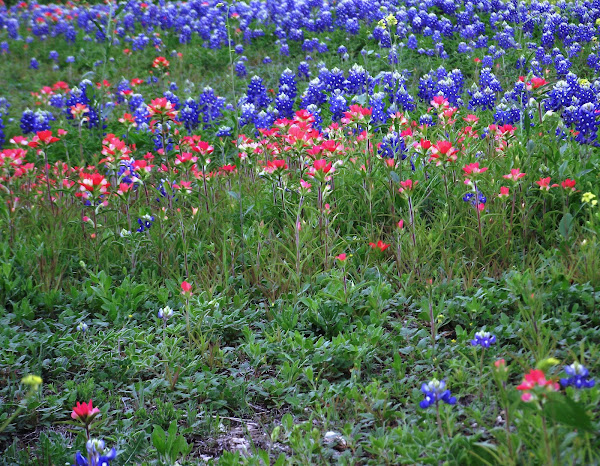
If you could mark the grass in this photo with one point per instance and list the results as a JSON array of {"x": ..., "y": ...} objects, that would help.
[{"x": 284, "y": 351}]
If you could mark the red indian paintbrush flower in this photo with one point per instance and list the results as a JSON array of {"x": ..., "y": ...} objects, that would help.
[
  {"x": 162, "y": 107},
  {"x": 43, "y": 137},
  {"x": 473, "y": 169},
  {"x": 407, "y": 186},
  {"x": 379, "y": 245},
  {"x": 322, "y": 165},
  {"x": 536, "y": 381},
  {"x": 442, "y": 152},
  {"x": 569, "y": 184},
  {"x": 84, "y": 412},
  {"x": 514, "y": 175},
  {"x": 186, "y": 288},
  {"x": 544, "y": 184}
]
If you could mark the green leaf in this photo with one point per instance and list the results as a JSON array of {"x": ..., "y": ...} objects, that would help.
[
  {"x": 564, "y": 410},
  {"x": 159, "y": 439},
  {"x": 566, "y": 225},
  {"x": 180, "y": 447},
  {"x": 172, "y": 436}
]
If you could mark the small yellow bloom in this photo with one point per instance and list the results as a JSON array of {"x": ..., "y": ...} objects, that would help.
[
  {"x": 34, "y": 381},
  {"x": 583, "y": 82},
  {"x": 589, "y": 198},
  {"x": 391, "y": 20}
]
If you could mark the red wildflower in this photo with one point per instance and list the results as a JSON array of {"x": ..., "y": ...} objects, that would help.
[
  {"x": 442, "y": 152},
  {"x": 379, "y": 245},
  {"x": 473, "y": 169},
  {"x": 514, "y": 175},
  {"x": 43, "y": 137},
  {"x": 569, "y": 184},
  {"x": 544, "y": 184},
  {"x": 84, "y": 412},
  {"x": 534, "y": 381},
  {"x": 186, "y": 288}
]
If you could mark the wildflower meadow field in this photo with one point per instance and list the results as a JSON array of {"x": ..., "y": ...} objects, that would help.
[{"x": 275, "y": 232}]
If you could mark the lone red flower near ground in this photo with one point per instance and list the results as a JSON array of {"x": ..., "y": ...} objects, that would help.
[{"x": 84, "y": 412}]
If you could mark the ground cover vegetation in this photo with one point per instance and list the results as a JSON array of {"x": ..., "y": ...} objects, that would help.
[{"x": 299, "y": 232}]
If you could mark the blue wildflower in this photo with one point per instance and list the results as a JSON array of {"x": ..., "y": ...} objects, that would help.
[
  {"x": 435, "y": 391},
  {"x": 145, "y": 222},
  {"x": 165, "y": 313},
  {"x": 578, "y": 377},
  {"x": 97, "y": 454},
  {"x": 483, "y": 339}
]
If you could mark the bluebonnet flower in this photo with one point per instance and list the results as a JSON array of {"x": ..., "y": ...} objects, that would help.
[
  {"x": 224, "y": 132},
  {"x": 97, "y": 454},
  {"x": 190, "y": 115},
  {"x": 337, "y": 105},
  {"x": 70, "y": 59},
  {"x": 392, "y": 146},
  {"x": 303, "y": 70},
  {"x": 165, "y": 313},
  {"x": 240, "y": 69},
  {"x": 435, "y": 391},
  {"x": 33, "y": 64},
  {"x": 53, "y": 55},
  {"x": 476, "y": 199},
  {"x": 578, "y": 376},
  {"x": 146, "y": 221},
  {"x": 483, "y": 339},
  {"x": 82, "y": 327},
  {"x": 267, "y": 60}
]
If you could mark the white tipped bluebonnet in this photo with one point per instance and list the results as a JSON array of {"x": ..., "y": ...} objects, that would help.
[
  {"x": 165, "y": 313},
  {"x": 483, "y": 339},
  {"x": 578, "y": 376},
  {"x": 435, "y": 391}
]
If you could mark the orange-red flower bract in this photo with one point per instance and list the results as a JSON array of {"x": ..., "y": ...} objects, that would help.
[{"x": 84, "y": 412}]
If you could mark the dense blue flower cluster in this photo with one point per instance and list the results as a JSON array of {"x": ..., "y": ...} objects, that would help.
[
  {"x": 483, "y": 339},
  {"x": 32, "y": 122},
  {"x": 475, "y": 198},
  {"x": 392, "y": 146},
  {"x": 97, "y": 454},
  {"x": 145, "y": 222},
  {"x": 435, "y": 391},
  {"x": 489, "y": 29},
  {"x": 578, "y": 377}
]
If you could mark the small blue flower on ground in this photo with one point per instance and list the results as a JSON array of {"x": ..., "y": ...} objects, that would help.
[
  {"x": 483, "y": 339},
  {"x": 435, "y": 391}
]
